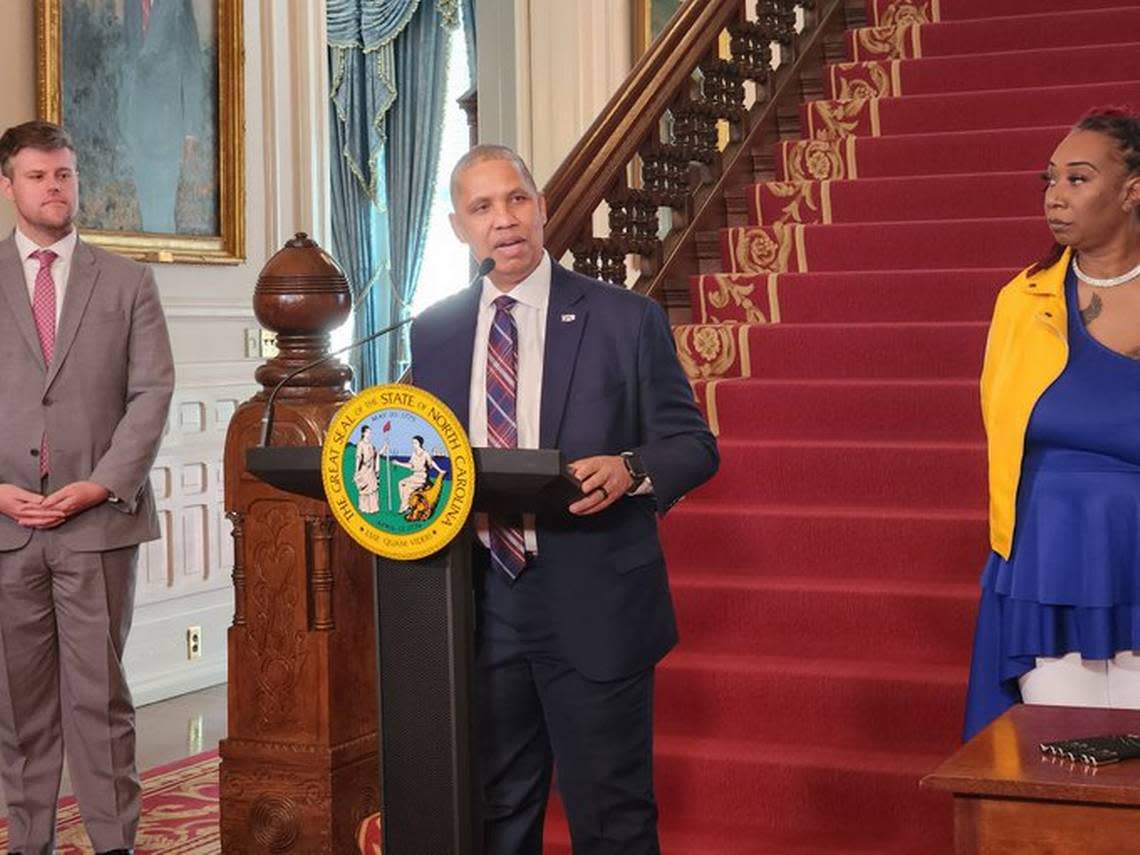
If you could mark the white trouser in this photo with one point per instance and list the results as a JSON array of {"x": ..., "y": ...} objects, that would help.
[{"x": 1074, "y": 682}]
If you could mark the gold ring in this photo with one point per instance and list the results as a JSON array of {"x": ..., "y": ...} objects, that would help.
[{"x": 605, "y": 492}]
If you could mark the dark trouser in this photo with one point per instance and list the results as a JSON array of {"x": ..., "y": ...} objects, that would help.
[
  {"x": 64, "y": 620},
  {"x": 535, "y": 712}
]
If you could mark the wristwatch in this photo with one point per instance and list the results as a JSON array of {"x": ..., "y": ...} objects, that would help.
[{"x": 636, "y": 470}]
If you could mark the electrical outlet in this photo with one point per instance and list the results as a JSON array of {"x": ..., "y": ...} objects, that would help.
[
  {"x": 252, "y": 343},
  {"x": 193, "y": 642},
  {"x": 268, "y": 344}
]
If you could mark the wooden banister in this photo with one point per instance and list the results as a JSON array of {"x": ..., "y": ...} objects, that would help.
[
  {"x": 683, "y": 169},
  {"x": 600, "y": 158}
]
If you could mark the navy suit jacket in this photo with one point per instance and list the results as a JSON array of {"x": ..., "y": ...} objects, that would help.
[{"x": 610, "y": 383}]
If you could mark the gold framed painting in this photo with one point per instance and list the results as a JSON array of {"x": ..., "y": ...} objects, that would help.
[
  {"x": 152, "y": 93},
  {"x": 649, "y": 19}
]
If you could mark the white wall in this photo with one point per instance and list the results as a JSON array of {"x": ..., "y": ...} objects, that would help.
[
  {"x": 546, "y": 69},
  {"x": 184, "y": 579},
  {"x": 17, "y": 70}
]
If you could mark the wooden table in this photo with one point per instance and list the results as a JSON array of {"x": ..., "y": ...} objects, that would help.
[{"x": 1009, "y": 798}]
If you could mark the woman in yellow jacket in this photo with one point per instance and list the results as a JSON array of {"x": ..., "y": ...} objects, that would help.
[{"x": 1060, "y": 607}]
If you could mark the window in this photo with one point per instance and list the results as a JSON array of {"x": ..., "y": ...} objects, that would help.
[{"x": 446, "y": 261}]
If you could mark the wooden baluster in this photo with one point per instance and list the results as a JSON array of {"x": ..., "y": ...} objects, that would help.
[
  {"x": 321, "y": 577},
  {"x": 723, "y": 89},
  {"x": 665, "y": 173},
  {"x": 613, "y": 263},
  {"x": 767, "y": 18},
  {"x": 694, "y": 126},
  {"x": 647, "y": 223},
  {"x": 586, "y": 258},
  {"x": 238, "y": 575},
  {"x": 751, "y": 48},
  {"x": 786, "y": 21}
]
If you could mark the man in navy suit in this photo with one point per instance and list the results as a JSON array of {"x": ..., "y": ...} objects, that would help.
[{"x": 574, "y": 611}]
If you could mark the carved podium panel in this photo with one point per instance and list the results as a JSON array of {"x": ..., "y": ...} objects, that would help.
[{"x": 299, "y": 763}]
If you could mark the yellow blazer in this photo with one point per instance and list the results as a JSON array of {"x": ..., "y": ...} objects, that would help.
[{"x": 1027, "y": 349}]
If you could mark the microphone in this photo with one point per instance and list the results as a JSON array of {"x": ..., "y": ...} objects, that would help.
[{"x": 485, "y": 267}]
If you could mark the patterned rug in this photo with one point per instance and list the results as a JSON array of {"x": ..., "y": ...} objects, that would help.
[{"x": 179, "y": 812}]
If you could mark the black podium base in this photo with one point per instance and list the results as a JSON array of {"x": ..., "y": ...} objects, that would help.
[
  {"x": 425, "y": 632},
  {"x": 425, "y": 620}
]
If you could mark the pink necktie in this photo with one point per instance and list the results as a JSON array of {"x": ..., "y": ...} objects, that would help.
[{"x": 43, "y": 310}]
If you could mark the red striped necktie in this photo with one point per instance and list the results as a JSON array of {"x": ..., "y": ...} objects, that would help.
[{"x": 508, "y": 549}]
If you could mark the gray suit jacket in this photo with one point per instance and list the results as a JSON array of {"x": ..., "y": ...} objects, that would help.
[{"x": 103, "y": 401}]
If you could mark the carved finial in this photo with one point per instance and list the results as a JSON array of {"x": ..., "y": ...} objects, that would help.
[
  {"x": 302, "y": 295},
  {"x": 301, "y": 240}
]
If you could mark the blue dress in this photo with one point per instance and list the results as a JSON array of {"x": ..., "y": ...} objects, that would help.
[{"x": 1073, "y": 579}]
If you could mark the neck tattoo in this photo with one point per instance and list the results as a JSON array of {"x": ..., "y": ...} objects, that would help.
[{"x": 1092, "y": 311}]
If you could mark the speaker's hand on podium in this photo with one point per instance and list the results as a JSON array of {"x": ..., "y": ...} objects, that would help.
[{"x": 605, "y": 479}]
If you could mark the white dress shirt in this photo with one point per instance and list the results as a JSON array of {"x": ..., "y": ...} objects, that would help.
[
  {"x": 532, "y": 297},
  {"x": 64, "y": 248}
]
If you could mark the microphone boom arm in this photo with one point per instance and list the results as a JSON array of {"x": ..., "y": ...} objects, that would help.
[{"x": 485, "y": 267}]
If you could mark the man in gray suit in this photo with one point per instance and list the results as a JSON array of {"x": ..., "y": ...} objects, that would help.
[{"x": 85, "y": 387}]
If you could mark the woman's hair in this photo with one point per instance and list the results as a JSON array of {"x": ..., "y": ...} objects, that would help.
[
  {"x": 1122, "y": 126},
  {"x": 418, "y": 439}
]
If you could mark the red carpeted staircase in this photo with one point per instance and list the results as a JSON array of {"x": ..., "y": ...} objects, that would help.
[{"x": 826, "y": 580}]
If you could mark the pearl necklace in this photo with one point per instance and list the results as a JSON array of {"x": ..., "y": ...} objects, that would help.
[{"x": 1111, "y": 282}]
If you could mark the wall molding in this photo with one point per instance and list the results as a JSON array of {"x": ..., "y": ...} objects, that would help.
[
  {"x": 163, "y": 685},
  {"x": 155, "y": 661},
  {"x": 546, "y": 70},
  {"x": 238, "y": 309},
  {"x": 222, "y": 373},
  {"x": 294, "y": 75}
]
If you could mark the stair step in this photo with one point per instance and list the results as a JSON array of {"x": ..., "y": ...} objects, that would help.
[
  {"x": 800, "y": 789},
  {"x": 976, "y": 72},
  {"x": 860, "y": 410},
  {"x": 1064, "y": 28},
  {"x": 766, "y": 698},
  {"x": 878, "y": 11},
  {"x": 922, "y": 154},
  {"x": 873, "y": 200},
  {"x": 871, "y": 350},
  {"x": 905, "y": 622},
  {"x": 790, "y": 799},
  {"x": 872, "y": 475},
  {"x": 865, "y": 296},
  {"x": 925, "y": 244},
  {"x": 707, "y": 840},
  {"x": 962, "y": 111},
  {"x": 825, "y": 542}
]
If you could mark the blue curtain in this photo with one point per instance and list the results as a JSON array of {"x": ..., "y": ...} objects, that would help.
[
  {"x": 415, "y": 126},
  {"x": 468, "y": 7},
  {"x": 387, "y": 68}
]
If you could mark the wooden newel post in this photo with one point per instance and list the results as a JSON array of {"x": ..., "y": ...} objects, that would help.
[{"x": 299, "y": 763}]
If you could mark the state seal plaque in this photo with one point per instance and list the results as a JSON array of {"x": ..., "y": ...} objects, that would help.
[{"x": 398, "y": 471}]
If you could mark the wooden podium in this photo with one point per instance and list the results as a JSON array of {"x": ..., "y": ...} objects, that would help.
[
  {"x": 298, "y": 770},
  {"x": 301, "y": 763},
  {"x": 1010, "y": 799},
  {"x": 425, "y": 649}
]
